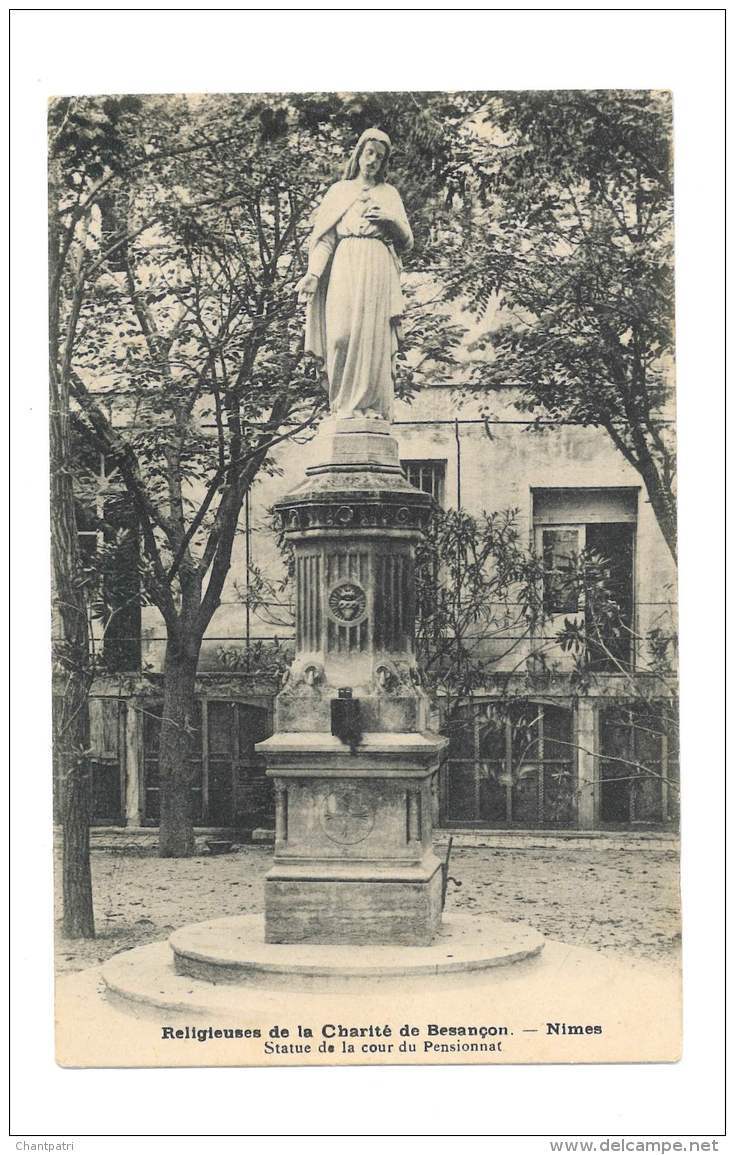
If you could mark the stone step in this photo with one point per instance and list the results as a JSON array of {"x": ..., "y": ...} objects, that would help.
[{"x": 232, "y": 950}]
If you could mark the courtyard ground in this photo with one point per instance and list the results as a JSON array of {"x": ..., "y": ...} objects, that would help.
[{"x": 620, "y": 902}]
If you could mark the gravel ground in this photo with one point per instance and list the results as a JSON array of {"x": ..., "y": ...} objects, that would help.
[{"x": 621, "y": 902}]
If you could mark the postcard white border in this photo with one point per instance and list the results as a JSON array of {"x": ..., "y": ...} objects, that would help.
[{"x": 73, "y": 51}]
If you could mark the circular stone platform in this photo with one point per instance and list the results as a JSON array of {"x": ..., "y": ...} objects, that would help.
[
  {"x": 214, "y": 966},
  {"x": 232, "y": 950}
]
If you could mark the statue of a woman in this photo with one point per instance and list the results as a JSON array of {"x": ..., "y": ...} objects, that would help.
[{"x": 352, "y": 285}]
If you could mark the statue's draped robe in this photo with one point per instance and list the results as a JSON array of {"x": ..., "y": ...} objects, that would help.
[{"x": 353, "y": 317}]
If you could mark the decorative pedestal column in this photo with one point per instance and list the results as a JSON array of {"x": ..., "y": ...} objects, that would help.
[{"x": 351, "y": 759}]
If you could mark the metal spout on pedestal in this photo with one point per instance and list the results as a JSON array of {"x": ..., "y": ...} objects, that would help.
[{"x": 346, "y": 720}]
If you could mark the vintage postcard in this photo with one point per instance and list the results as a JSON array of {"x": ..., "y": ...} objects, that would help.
[{"x": 364, "y": 546}]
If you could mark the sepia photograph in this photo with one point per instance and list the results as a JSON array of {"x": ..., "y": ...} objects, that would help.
[{"x": 364, "y": 556}]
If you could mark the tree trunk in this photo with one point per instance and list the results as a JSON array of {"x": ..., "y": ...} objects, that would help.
[
  {"x": 78, "y": 911},
  {"x": 178, "y": 731},
  {"x": 71, "y": 731},
  {"x": 660, "y": 494},
  {"x": 663, "y": 504}
]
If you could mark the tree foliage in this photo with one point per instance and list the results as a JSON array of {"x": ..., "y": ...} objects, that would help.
[
  {"x": 485, "y": 626},
  {"x": 574, "y": 190},
  {"x": 479, "y": 598},
  {"x": 178, "y": 232}
]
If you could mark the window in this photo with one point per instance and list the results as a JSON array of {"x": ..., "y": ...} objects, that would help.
[
  {"x": 609, "y": 616},
  {"x": 510, "y": 766},
  {"x": 105, "y": 763},
  {"x": 638, "y": 764},
  {"x": 236, "y": 780},
  {"x": 114, "y": 225},
  {"x": 106, "y": 740},
  {"x": 88, "y": 535},
  {"x": 586, "y": 539},
  {"x": 229, "y": 783},
  {"x": 151, "y": 745},
  {"x": 427, "y": 475},
  {"x": 560, "y": 549}
]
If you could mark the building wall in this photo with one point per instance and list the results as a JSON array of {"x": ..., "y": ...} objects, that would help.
[
  {"x": 489, "y": 466},
  {"x": 494, "y": 467}
]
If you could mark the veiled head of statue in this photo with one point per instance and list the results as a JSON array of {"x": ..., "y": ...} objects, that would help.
[{"x": 352, "y": 168}]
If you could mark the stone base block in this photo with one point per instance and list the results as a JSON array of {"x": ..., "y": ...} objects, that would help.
[
  {"x": 357, "y": 442},
  {"x": 360, "y": 912}
]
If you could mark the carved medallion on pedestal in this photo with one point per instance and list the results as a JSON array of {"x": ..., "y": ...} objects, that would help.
[
  {"x": 347, "y": 603},
  {"x": 347, "y": 816}
]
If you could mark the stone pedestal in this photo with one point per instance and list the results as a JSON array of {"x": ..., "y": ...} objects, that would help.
[{"x": 353, "y": 858}]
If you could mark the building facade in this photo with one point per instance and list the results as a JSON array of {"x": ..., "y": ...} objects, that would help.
[{"x": 534, "y": 748}]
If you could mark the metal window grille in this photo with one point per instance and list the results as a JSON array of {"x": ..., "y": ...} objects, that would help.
[
  {"x": 428, "y": 475},
  {"x": 638, "y": 764},
  {"x": 510, "y": 766},
  {"x": 229, "y": 785}
]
